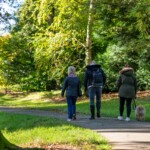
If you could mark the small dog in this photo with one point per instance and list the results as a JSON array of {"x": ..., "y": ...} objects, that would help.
[{"x": 140, "y": 113}]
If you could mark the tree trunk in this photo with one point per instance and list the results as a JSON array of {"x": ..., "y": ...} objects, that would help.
[
  {"x": 5, "y": 144},
  {"x": 89, "y": 32}
]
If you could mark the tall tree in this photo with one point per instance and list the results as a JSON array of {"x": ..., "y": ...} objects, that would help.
[{"x": 89, "y": 32}]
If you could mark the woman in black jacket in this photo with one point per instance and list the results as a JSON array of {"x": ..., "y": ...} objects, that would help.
[
  {"x": 72, "y": 86},
  {"x": 126, "y": 84}
]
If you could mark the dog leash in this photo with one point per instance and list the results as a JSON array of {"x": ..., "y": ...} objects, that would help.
[{"x": 133, "y": 104}]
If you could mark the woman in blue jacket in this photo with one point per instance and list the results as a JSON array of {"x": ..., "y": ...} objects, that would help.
[{"x": 72, "y": 86}]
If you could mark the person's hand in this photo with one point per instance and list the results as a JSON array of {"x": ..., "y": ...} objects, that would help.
[{"x": 80, "y": 95}]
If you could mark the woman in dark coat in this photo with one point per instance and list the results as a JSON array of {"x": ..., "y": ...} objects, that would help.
[
  {"x": 72, "y": 86},
  {"x": 127, "y": 90}
]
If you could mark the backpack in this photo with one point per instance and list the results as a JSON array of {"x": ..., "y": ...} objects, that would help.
[{"x": 97, "y": 78}]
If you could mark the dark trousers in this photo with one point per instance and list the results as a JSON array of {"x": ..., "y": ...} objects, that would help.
[
  {"x": 71, "y": 102},
  {"x": 128, "y": 105}
]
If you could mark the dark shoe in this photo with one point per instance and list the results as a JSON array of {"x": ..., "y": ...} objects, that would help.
[
  {"x": 92, "y": 109},
  {"x": 74, "y": 117},
  {"x": 98, "y": 115}
]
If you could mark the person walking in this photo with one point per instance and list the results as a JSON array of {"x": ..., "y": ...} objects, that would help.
[
  {"x": 127, "y": 87},
  {"x": 94, "y": 80},
  {"x": 72, "y": 86}
]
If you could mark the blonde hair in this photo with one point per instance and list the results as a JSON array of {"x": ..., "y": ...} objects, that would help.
[{"x": 71, "y": 70}]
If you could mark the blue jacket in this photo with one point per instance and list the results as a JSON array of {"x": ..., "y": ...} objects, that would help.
[
  {"x": 72, "y": 86},
  {"x": 88, "y": 75}
]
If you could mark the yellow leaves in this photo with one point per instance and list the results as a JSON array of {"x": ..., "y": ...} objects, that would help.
[{"x": 4, "y": 40}]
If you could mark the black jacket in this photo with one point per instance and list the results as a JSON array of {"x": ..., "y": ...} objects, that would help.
[{"x": 88, "y": 75}]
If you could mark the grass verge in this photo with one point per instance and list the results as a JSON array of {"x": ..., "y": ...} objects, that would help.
[{"x": 44, "y": 132}]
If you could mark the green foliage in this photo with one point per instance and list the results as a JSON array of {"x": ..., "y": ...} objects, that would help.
[
  {"x": 17, "y": 60},
  {"x": 50, "y": 36},
  {"x": 60, "y": 51},
  {"x": 56, "y": 45},
  {"x": 117, "y": 56},
  {"x": 143, "y": 76},
  {"x": 63, "y": 41}
]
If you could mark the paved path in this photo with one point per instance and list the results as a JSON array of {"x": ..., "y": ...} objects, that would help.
[{"x": 122, "y": 135}]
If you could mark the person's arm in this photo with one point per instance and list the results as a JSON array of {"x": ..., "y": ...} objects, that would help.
[
  {"x": 135, "y": 85},
  {"x": 118, "y": 82},
  {"x": 65, "y": 84},
  {"x": 104, "y": 77},
  {"x": 79, "y": 89}
]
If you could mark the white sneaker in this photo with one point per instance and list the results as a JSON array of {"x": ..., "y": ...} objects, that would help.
[
  {"x": 68, "y": 120},
  {"x": 127, "y": 119},
  {"x": 120, "y": 118}
]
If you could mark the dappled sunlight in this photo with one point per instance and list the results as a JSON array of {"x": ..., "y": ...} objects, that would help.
[
  {"x": 34, "y": 96},
  {"x": 31, "y": 99},
  {"x": 43, "y": 97}
]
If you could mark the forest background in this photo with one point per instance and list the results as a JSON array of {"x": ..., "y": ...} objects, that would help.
[{"x": 50, "y": 35}]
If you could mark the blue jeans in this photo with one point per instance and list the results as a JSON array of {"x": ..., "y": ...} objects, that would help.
[
  {"x": 71, "y": 102},
  {"x": 95, "y": 91}
]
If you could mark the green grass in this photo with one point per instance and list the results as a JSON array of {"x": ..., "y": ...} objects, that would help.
[
  {"x": 45, "y": 101},
  {"x": 33, "y": 131}
]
